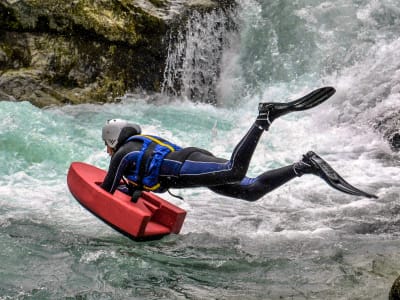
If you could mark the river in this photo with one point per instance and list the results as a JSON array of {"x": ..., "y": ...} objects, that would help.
[{"x": 302, "y": 241}]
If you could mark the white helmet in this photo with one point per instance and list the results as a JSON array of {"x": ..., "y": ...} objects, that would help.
[{"x": 111, "y": 132}]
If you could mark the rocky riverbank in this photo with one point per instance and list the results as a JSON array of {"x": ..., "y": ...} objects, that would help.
[{"x": 57, "y": 52}]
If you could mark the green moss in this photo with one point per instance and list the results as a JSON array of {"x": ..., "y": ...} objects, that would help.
[
  {"x": 158, "y": 3},
  {"x": 17, "y": 52},
  {"x": 107, "y": 18},
  {"x": 108, "y": 90},
  {"x": 84, "y": 50},
  {"x": 112, "y": 49},
  {"x": 8, "y": 20},
  {"x": 115, "y": 21},
  {"x": 7, "y": 50}
]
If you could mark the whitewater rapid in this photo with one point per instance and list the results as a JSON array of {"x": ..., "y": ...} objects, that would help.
[{"x": 302, "y": 241}]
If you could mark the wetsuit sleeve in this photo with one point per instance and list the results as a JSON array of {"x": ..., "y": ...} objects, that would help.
[{"x": 114, "y": 174}]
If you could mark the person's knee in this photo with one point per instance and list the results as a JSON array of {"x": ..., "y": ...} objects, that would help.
[
  {"x": 237, "y": 174},
  {"x": 251, "y": 198},
  {"x": 255, "y": 191}
]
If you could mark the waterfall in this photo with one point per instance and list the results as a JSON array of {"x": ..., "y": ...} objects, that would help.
[{"x": 195, "y": 51}]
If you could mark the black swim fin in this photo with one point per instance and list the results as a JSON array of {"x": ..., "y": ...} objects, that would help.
[
  {"x": 326, "y": 172},
  {"x": 269, "y": 111}
]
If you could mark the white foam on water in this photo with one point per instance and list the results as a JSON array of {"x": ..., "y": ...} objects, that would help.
[{"x": 362, "y": 63}]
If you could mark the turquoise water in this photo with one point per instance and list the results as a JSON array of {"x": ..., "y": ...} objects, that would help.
[{"x": 303, "y": 241}]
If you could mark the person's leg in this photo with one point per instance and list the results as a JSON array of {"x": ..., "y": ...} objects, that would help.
[
  {"x": 202, "y": 169},
  {"x": 252, "y": 189},
  {"x": 269, "y": 111}
]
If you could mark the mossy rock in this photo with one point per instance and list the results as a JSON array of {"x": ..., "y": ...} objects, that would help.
[
  {"x": 118, "y": 21},
  {"x": 57, "y": 52}
]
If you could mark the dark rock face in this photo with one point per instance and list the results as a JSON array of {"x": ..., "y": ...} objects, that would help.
[
  {"x": 389, "y": 126},
  {"x": 395, "y": 291},
  {"x": 56, "y": 52}
]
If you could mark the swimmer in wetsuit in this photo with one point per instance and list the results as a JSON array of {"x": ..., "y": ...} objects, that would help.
[{"x": 151, "y": 163}]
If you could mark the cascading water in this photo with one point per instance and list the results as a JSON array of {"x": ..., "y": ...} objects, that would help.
[
  {"x": 302, "y": 241},
  {"x": 193, "y": 64}
]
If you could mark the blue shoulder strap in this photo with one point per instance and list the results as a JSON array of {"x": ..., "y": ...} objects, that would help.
[{"x": 163, "y": 147}]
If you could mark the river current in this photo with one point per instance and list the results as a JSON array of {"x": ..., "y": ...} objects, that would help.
[{"x": 302, "y": 241}]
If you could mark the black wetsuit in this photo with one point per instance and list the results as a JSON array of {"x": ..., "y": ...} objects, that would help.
[{"x": 195, "y": 167}]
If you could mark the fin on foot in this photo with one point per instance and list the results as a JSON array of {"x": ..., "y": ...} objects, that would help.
[
  {"x": 326, "y": 172},
  {"x": 269, "y": 111}
]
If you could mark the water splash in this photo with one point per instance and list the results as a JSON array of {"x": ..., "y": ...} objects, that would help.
[
  {"x": 304, "y": 240},
  {"x": 195, "y": 52}
]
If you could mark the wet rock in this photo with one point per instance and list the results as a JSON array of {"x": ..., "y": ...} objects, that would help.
[
  {"x": 56, "y": 52},
  {"x": 395, "y": 291},
  {"x": 389, "y": 126}
]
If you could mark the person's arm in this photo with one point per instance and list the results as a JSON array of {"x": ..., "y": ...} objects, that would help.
[{"x": 115, "y": 172}]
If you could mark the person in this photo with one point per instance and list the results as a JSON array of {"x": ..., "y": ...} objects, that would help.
[{"x": 151, "y": 163}]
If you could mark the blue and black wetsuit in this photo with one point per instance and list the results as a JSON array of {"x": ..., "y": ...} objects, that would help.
[{"x": 195, "y": 167}]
